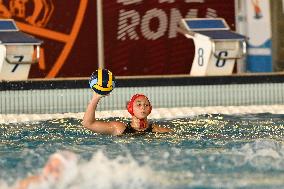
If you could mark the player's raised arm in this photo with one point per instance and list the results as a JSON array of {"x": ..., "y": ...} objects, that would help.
[
  {"x": 102, "y": 83},
  {"x": 90, "y": 122}
]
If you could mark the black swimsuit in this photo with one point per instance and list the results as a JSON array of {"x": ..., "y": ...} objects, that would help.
[{"x": 130, "y": 129}]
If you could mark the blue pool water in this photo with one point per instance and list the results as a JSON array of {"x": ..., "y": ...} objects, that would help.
[{"x": 207, "y": 151}]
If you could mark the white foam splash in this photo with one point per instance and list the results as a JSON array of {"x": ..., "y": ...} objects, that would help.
[
  {"x": 101, "y": 172},
  {"x": 121, "y": 172},
  {"x": 262, "y": 154}
]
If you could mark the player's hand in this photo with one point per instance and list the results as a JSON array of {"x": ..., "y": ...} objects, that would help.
[{"x": 96, "y": 95}]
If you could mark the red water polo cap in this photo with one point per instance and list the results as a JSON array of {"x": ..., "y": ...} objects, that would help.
[{"x": 130, "y": 103}]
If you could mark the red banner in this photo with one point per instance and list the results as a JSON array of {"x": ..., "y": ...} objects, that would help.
[{"x": 140, "y": 36}]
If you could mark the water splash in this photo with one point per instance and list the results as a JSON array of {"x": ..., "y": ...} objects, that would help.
[
  {"x": 101, "y": 172},
  {"x": 228, "y": 151}
]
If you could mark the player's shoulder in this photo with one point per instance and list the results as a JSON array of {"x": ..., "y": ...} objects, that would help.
[{"x": 118, "y": 126}]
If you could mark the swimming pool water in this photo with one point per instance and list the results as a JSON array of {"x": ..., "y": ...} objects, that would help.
[{"x": 206, "y": 151}]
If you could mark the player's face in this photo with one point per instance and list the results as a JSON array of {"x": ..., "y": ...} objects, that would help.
[{"x": 141, "y": 107}]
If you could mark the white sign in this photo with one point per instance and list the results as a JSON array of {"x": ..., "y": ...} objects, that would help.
[
  {"x": 259, "y": 33},
  {"x": 16, "y": 61},
  {"x": 283, "y": 6}
]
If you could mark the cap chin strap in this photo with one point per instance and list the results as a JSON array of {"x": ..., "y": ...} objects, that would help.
[{"x": 142, "y": 124}]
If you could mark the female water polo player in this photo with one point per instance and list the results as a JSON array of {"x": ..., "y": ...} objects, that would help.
[
  {"x": 60, "y": 169},
  {"x": 139, "y": 107}
]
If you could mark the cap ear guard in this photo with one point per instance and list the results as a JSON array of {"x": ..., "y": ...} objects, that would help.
[{"x": 130, "y": 107}]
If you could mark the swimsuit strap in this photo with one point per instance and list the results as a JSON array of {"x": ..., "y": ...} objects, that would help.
[{"x": 130, "y": 129}]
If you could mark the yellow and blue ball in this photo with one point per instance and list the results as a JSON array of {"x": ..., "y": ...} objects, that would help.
[{"x": 102, "y": 81}]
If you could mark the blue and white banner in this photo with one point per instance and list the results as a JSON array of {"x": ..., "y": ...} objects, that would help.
[{"x": 259, "y": 57}]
